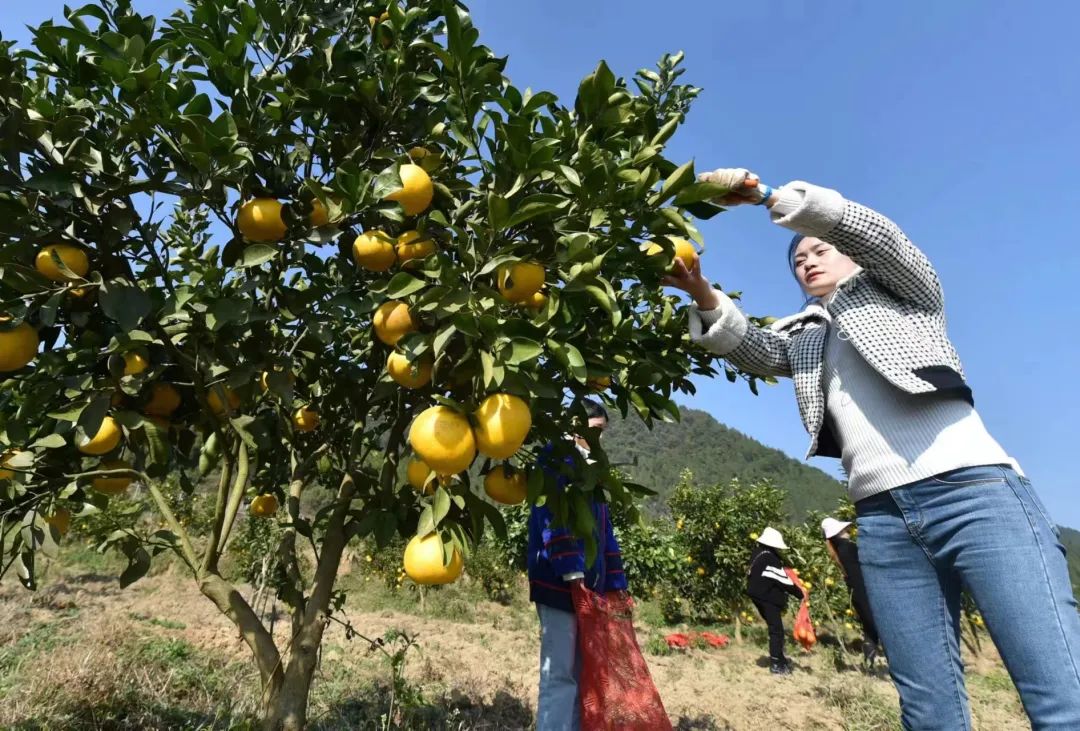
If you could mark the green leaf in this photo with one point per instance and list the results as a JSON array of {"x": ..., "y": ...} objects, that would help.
[
  {"x": 523, "y": 350},
  {"x": 91, "y": 417},
  {"x": 539, "y": 204},
  {"x": 256, "y": 254},
  {"x": 402, "y": 284},
  {"x": 498, "y": 211},
  {"x": 697, "y": 192},
  {"x": 682, "y": 177},
  {"x": 138, "y": 565},
  {"x": 200, "y": 105},
  {"x": 124, "y": 302},
  {"x": 441, "y": 340},
  {"x": 703, "y": 210},
  {"x": 52, "y": 441},
  {"x": 440, "y": 506}
]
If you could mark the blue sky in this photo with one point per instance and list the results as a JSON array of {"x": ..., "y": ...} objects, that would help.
[{"x": 956, "y": 119}]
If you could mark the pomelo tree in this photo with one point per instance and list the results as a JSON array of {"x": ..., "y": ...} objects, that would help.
[{"x": 279, "y": 242}]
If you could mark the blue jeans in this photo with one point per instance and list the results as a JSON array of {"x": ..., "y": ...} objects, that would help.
[
  {"x": 558, "y": 706},
  {"x": 984, "y": 530}
]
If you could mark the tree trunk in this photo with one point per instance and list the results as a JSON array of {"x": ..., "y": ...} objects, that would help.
[
  {"x": 286, "y": 708},
  {"x": 738, "y": 626},
  {"x": 261, "y": 643}
]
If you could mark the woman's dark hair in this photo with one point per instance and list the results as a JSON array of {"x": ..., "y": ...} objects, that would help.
[
  {"x": 595, "y": 410},
  {"x": 791, "y": 252}
]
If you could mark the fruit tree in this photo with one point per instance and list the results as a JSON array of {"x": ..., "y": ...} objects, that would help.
[{"x": 297, "y": 245}]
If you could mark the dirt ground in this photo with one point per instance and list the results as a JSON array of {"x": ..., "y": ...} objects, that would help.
[{"x": 71, "y": 640}]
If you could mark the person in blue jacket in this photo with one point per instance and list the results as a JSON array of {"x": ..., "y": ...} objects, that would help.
[{"x": 556, "y": 560}]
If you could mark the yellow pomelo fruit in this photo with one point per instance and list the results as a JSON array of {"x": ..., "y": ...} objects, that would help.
[
  {"x": 520, "y": 281},
  {"x": 409, "y": 375},
  {"x": 5, "y": 461},
  {"x": 263, "y": 506},
  {"x": 74, "y": 258},
  {"x": 135, "y": 363},
  {"x": 425, "y": 158},
  {"x": 599, "y": 383},
  {"x": 417, "y": 473},
  {"x": 374, "y": 250},
  {"x": 112, "y": 485},
  {"x": 164, "y": 399},
  {"x": 424, "y": 561},
  {"x": 536, "y": 301},
  {"x": 106, "y": 439},
  {"x": 220, "y": 395},
  {"x": 61, "y": 520},
  {"x": 18, "y": 346},
  {"x": 502, "y": 423},
  {"x": 392, "y": 320},
  {"x": 319, "y": 215},
  {"x": 444, "y": 439},
  {"x": 305, "y": 419},
  {"x": 413, "y": 245},
  {"x": 506, "y": 489},
  {"x": 683, "y": 250},
  {"x": 264, "y": 378},
  {"x": 260, "y": 219},
  {"x": 416, "y": 192}
]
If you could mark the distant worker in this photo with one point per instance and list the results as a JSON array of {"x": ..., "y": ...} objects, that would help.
[
  {"x": 769, "y": 586},
  {"x": 846, "y": 555}
]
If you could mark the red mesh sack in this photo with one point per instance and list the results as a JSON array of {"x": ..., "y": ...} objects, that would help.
[
  {"x": 804, "y": 627},
  {"x": 617, "y": 691}
]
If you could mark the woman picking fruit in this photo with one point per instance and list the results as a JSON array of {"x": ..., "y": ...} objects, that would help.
[{"x": 940, "y": 505}]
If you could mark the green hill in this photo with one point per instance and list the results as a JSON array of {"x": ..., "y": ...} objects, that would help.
[
  {"x": 717, "y": 453},
  {"x": 714, "y": 453}
]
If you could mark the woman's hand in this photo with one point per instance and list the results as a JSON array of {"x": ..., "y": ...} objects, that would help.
[
  {"x": 742, "y": 186},
  {"x": 693, "y": 283}
]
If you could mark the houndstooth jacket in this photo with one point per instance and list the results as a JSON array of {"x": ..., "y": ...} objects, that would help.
[{"x": 891, "y": 308}]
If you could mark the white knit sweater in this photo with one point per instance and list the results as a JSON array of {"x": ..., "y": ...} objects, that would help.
[{"x": 889, "y": 438}]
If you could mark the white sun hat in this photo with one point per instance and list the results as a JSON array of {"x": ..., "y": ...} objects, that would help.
[
  {"x": 832, "y": 527},
  {"x": 772, "y": 538}
]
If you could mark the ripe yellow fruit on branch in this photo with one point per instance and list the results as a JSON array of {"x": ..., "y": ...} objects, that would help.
[
  {"x": 683, "y": 250},
  {"x": 220, "y": 395},
  {"x": 417, "y": 473},
  {"x": 112, "y": 485},
  {"x": 18, "y": 346},
  {"x": 263, "y": 506},
  {"x": 409, "y": 375},
  {"x": 305, "y": 419},
  {"x": 61, "y": 520},
  {"x": 507, "y": 489},
  {"x": 259, "y": 219},
  {"x": 164, "y": 399},
  {"x": 416, "y": 191},
  {"x": 413, "y": 246},
  {"x": 74, "y": 258},
  {"x": 5, "y": 462},
  {"x": 443, "y": 439},
  {"x": 319, "y": 216},
  {"x": 106, "y": 439},
  {"x": 423, "y": 561},
  {"x": 134, "y": 363},
  {"x": 393, "y": 320},
  {"x": 374, "y": 251},
  {"x": 599, "y": 383},
  {"x": 502, "y": 424},
  {"x": 537, "y": 301},
  {"x": 519, "y": 281}
]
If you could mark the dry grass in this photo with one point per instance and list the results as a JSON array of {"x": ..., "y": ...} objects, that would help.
[{"x": 82, "y": 654}]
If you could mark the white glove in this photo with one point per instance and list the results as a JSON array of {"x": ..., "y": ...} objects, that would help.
[{"x": 743, "y": 186}]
